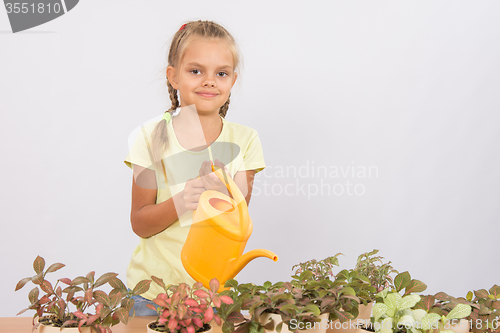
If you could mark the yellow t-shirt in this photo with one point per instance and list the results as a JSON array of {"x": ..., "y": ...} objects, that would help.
[{"x": 238, "y": 147}]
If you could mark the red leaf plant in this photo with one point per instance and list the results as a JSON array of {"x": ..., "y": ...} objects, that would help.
[
  {"x": 185, "y": 309},
  {"x": 78, "y": 302}
]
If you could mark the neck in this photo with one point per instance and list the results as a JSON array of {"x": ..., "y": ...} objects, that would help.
[{"x": 197, "y": 130}]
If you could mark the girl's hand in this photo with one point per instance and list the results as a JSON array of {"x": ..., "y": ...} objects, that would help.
[
  {"x": 192, "y": 192},
  {"x": 210, "y": 179}
]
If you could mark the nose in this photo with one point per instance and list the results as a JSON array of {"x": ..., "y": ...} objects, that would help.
[{"x": 209, "y": 82}]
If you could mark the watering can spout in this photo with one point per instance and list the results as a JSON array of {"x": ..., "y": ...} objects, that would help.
[{"x": 239, "y": 263}]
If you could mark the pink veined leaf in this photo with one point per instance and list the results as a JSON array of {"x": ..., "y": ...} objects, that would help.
[
  {"x": 65, "y": 281},
  {"x": 172, "y": 324},
  {"x": 99, "y": 308},
  {"x": 217, "y": 319},
  {"x": 216, "y": 300},
  {"x": 161, "y": 302},
  {"x": 201, "y": 293},
  {"x": 190, "y": 329},
  {"x": 162, "y": 320},
  {"x": 55, "y": 267},
  {"x": 197, "y": 285},
  {"x": 196, "y": 309},
  {"x": 92, "y": 318},
  {"x": 209, "y": 315},
  {"x": 47, "y": 287},
  {"x": 165, "y": 313},
  {"x": 197, "y": 322},
  {"x": 184, "y": 330},
  {"x": 33, "y": 295},
  {"x": 39, "y": 264},
  {"x": 151, "y": 306},
  {"x": 214, "y": 285},
  {"x": 22, "y": 283},
  {"x": 182, "y": 311},
  {"x": 80, "y": 314},
  {"x": 191, "y": 302},
  {"x": 226, "y": 299}
]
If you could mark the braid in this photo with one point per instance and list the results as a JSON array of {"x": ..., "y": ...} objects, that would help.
[
  {"x": 224, "y": 107},
  {"x": 173, "y": 97}
]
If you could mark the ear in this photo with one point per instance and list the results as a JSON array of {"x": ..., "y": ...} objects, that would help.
[
  {"x": 172, "y": 77},
  {"x": 235, "y": 77}
]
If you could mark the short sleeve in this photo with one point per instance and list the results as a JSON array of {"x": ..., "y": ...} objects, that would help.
[
  {"x": 140, "y": 147},
  {"x": 253, "y": 157}
]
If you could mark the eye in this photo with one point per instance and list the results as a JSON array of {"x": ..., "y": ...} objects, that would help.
[
  {"x": 222, "y": 74},
  {"x": 195, "y": 71}
]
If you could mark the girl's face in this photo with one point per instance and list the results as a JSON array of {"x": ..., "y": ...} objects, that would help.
[{"x": 205, "y": 75}]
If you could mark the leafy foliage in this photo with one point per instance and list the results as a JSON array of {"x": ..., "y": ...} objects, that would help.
[
  {"x": 78, "y": 302},
  {"x": 378, "y": 272},
  {"x": 485, "y": 315},
  {"x": 186, "y": 309}
]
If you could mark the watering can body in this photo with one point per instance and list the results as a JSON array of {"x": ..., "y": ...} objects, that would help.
[{"x": 218, "y": 236}]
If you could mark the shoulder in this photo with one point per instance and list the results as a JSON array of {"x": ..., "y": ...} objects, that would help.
[{"x": 239, "y": 131}]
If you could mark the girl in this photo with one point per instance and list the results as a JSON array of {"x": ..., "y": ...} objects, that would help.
[{"x": 171, "y": 157}]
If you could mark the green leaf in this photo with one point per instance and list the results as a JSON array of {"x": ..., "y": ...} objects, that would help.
[
  {"x": 105, "y": 278},
  {"x": 415, "y": 286},
  {"x": 348, "y": 291},
  {"x": 267, "y": 284},
  {"x": 343, "y": 316},
  {"x": 141, "y": 287},
  {"x": 231, "y": 283},
  {"x": 314, "y": 309},
  {"x": 402, "y": 280},
  {"x": 393, "y": 300},
  {"x": 430, "y": 320},
  {"x": 459, "y": 311},
  {"x": 469, "y": 296},
  {"x": 378, "y": 310},
  {"x": 409, "y": 301},
  {"x": 39, "y": 265},
  {"x": 22, "y": 283}
]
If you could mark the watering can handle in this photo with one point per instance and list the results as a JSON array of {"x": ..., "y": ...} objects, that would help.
[{"x": 231, "y": 186}]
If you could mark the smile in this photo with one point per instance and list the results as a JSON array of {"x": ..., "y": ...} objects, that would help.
[{"x": 206, "y": 95}]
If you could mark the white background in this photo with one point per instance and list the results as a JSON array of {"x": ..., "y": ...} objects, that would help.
[{"x": 409, "y": 88}]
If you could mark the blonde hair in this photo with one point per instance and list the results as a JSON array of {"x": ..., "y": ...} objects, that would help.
[{"x": 180, "y": 42}]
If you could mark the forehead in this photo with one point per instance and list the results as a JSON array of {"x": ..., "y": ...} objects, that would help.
[{"x": 208, "y": 52}]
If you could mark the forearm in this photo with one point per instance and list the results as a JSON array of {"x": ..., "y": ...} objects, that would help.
[{"x": 152, "y": 219}]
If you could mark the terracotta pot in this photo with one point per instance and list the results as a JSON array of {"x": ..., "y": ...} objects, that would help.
[
  {"x": 463, "y": 326},
  {"x": 319, "y": 327},
  {"x": 365, "y": 312},
  {"x": 150, "y": 330}
]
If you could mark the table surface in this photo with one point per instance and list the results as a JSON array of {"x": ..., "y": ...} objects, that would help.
[{"x": 136, "y": 325}]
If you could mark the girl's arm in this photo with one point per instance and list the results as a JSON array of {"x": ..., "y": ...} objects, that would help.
[
  {"x": 147, "y": 217},
  {"x": 244, "y": 180}
]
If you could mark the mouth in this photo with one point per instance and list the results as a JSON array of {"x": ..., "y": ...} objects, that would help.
[{"x": 206, "y": 94}]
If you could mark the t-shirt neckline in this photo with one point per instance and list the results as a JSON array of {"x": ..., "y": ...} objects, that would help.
[{"x": 204, "y": 151}]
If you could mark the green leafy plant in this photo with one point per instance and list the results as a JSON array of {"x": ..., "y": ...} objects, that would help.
[
  {"x": 394, "y": 313},
  {"x": 186, "y": 309},
  {"x": 378, "y": 272},
  {"x": 486, "y": 310},
  {"x": 443, "y": 323},
  {"x": 79, "y": 302},
  {"x": 321, "y": 270}
]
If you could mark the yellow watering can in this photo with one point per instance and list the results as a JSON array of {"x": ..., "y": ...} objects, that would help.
[{"x": 217, "y": 238}]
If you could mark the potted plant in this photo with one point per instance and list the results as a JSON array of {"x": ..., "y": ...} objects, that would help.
[
  {"x": 345, "y": 297},
  {"x": 485, "y": 315},
  {"x": 446, "y": 311},
  {"x": 78, "y": 304},
  {"x": 185, "y": 309}
]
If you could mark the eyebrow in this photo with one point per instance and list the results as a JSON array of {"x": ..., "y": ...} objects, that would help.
[{"x": 195, "y": 64}]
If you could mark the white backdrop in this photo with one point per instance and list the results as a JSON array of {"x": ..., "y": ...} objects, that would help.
[{"x": 403, "y": 93}]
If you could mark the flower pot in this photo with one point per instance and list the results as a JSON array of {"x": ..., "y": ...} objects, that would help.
[
  {"x": 350, "y": 326},
  {"x": 317, "y": 327},
  {"x": 43, "y": 328},
  {"x": 463, "y": 326},
  {"x": 151, "y": 330}
]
